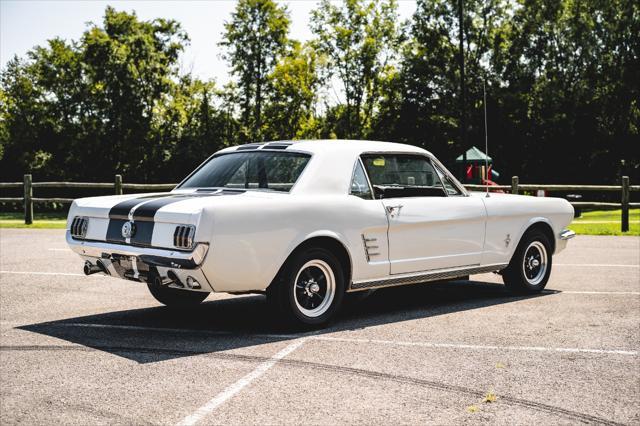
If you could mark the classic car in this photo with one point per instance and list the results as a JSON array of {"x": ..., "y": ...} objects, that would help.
[{"x": 306, "y": 222}]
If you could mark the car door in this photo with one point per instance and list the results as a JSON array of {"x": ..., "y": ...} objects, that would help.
[{"x": 432, "y": 224}]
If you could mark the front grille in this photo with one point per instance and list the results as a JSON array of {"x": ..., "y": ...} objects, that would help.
[
  {"x": 79, "y": 227},
  {"x": 183, "y": 236}
]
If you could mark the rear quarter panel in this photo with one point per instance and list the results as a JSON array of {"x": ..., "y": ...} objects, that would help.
[{"x": 252, "y": 238}]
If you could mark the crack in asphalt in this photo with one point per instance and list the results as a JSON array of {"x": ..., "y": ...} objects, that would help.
[{"x": 538, "y": 406}]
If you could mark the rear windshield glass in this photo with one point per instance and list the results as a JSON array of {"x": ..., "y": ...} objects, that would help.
[{"x": 277, "y": 171}]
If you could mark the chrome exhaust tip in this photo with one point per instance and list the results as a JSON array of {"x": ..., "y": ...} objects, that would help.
[
  {"x": 160, "y": 281},
  {"x": 90, "y": 269},
  {"x": 174, "y": 279}
]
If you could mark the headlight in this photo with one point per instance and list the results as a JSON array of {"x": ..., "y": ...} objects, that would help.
[
  {"x": 183, "y": 236},
  {"x": 79, "y": 227}
]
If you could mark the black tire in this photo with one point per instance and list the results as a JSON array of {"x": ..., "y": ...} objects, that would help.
[
  {"x": 295, "y": 298},
  {"x": 530, "y": 267},
  {"x": 176, "y": 298}
]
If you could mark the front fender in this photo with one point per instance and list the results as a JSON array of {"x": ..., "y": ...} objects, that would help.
[{"x": 523, "y": 229}]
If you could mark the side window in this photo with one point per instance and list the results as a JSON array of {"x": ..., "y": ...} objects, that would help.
[
  {"x": 359, "y": 184},
  {"x": 402, "y": 175},
  {"x": 449, "y": 186}
]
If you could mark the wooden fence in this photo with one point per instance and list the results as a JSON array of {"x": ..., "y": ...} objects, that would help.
[{"x": 118, "y": 186}]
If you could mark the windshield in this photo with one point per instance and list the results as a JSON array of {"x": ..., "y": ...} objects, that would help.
[{"x": 277, "y": 171}]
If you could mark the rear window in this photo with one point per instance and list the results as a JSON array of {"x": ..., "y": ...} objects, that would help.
[{"x": 277, "y": 171}]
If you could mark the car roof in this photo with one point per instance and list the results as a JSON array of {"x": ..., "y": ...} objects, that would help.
[
  {"x": 331, "y": 169},
  {"x": 326, "y": 145}
]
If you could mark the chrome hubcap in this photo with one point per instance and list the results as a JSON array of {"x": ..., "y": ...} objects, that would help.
[
  {"x": 535, "y": 263},
  {"x": 315, "y": 288}
]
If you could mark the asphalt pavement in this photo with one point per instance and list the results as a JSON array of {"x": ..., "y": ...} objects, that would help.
[{"x": 97, "y": 350}]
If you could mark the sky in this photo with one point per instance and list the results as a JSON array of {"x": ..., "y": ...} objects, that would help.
[{"x": 27, "y": 23}]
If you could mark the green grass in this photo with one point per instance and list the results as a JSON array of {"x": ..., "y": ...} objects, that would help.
[
  {"x": 37, "y": 224},
  {"x": 55, "y": 220},
  {"x": 608, "y": 215},
  {"x": 609, "y": 224},
  {"x": 583, "y": 225}
]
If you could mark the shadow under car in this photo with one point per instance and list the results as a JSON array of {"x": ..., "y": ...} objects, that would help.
[{"x": 160, "y": 333}]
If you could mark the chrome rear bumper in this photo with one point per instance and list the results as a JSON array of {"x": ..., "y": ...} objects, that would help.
[{"x": 176, "y": 268}]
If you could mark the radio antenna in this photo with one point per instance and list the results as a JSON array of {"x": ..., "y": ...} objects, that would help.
[{"x": 486, "y": 138}]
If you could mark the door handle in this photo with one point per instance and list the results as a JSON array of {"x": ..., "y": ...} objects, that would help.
[{"x": 394, "y": 210}]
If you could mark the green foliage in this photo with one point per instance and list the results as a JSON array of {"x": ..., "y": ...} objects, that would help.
[
  {"x": 294, "y": 83},
  {"x": 570, "y": 85},
  {"x": 360, "y": 39},
  {"x": 255, "y": 39},
  {"x": 562, "y": 79},
  {"x": 112, "y": 102}
]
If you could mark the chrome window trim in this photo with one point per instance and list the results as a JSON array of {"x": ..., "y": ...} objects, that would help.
[
  {"x": 218, "y": 154},
  {"x": 453, "y": 183},
  {"x": 366, "y": 176},
  {"x": 430, "y": 158},
  {"x": 453, "y": 179}
]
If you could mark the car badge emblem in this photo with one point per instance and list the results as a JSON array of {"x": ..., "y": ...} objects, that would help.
[
  {"x": 128, "y": 229},
  {"x": 507, "y": 240}
]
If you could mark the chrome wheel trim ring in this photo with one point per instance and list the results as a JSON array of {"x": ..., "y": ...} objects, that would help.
[
  {"x": 535, "y": 263},
  {"x": 330, "y": 290}
]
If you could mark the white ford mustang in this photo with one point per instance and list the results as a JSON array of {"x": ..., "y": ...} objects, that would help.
[{"x": 308, "y": 221}]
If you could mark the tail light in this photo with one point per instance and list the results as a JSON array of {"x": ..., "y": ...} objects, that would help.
[
  {"x": 183, "y": 236},
  {"x": 79, "y": 226}
]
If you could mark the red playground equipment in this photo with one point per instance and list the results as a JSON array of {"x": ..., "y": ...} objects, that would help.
[{"x": 476, "y": 168}]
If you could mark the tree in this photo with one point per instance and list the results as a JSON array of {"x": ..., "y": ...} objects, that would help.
[
  {"x": 22, "y": 121},
  {"x": 571, "y": 86},
  {"x": 129, "y": 65},
  {"x": 291, "y": 104},
  {"x": 360, "y": 39},
  {"x": 425, "y": 95},
  {"x": 189, "y": 124},
  {"x": 85, "y": 109},
  {"x": 255, "y": 39},
  {"x": 563, "y": 89}
]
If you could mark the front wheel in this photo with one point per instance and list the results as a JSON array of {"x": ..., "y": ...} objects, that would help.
[
  {"x": 310, "y": 289},
  {"x": 530, "y": 267}
]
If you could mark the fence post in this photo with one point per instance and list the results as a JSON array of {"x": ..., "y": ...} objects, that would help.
[
  {"x": 514, "y": 184},
  {"x": 28, "y": 200},
  {"x": 118, "y": 185},
  {"x": 625, "y": 203}
]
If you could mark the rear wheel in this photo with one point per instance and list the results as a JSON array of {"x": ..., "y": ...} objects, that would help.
[
  {"x": 176, "y": 298},
  {"x": 310, "y": 289},
  {"x": 530, "y": 267}
]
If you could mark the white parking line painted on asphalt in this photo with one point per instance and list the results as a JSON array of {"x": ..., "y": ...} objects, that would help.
[
  {"x": 602, "y": 265},
  {"x": 633, "y": 293},
  {"x": 48, "y": 273},
  {"x": 480, "y": 347},
  {"x": 316, "y": 336},
  {"x": 136, "y": 328},
  {"x": 175, "y": 330},
  {"x": 233, "y": 389}
]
